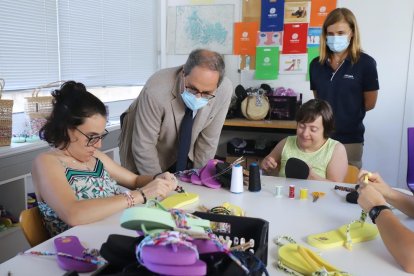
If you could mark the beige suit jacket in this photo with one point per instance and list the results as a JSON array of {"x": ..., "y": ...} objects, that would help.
[{"x": 149, "y": 138}]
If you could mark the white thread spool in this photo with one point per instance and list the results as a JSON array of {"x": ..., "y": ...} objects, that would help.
[
  {"x": 278, "y": 191},
  {"x": 236, "y": 185}
]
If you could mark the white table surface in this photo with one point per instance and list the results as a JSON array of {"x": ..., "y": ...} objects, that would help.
[{"x": 294, "y": 217}]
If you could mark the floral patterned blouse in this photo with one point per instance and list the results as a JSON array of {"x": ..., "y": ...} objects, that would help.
[{"x": 86, "y": 185}]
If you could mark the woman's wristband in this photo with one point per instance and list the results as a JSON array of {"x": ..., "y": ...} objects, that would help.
[
  {"x": 130, "y": 198},
  {"x": 143, "y": 195}
]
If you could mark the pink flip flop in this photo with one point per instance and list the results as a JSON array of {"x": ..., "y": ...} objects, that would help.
[
  {"x": 208, "y": 172},
  {"x": 168, "y": 255},
  {"x": 205, "y": 246},
  {"x": 70, "y": 245},
  {"x": 195, "y": 179},
  {"x": 197, "y": 269}
]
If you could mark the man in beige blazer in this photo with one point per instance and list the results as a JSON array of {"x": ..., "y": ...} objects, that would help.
[{"x": 149, "y": 137}]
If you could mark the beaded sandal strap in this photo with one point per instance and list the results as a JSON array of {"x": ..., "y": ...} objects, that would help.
[
  {"x": 173, "y": 238},
  {"x": 362, "y": 218}
]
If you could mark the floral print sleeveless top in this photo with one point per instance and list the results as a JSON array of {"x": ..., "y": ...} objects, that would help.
[{"x": 86, "y": 185}]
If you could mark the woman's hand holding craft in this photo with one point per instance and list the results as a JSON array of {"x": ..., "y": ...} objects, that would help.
[
  {"x": 269, "y": 163},
  {"x": 366, "y": 178},
  {"x": 370, "y": 197},
  {"x": 159, "y": 187}
]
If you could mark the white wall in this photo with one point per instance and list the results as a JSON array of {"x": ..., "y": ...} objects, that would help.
[{"x": 386, "y": 30}]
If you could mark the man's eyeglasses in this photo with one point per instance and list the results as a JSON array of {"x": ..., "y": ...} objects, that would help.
[
  {"x": 195, "y": 91},
  {"x": 93, "y": 139}
]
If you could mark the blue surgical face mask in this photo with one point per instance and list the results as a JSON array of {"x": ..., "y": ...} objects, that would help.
[
  {"x": 192, "y": 102},
  {"x": 337, "y": 43}
]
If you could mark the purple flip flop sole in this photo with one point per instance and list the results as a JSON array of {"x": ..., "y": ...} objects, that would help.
[
  {"x": 167, "y": 255},
  {"x": 71, "y": 245},
  {"x": 197, "y": 269}
]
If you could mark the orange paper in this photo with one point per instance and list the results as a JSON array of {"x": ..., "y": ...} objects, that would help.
[
  {"x": 245, "y": 35},
  {"x": 319, "y": 10}
]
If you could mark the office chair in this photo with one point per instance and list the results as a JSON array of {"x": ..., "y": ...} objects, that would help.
[
  {"x": 32, "y": 226},
  {"x": 410, "y": 159},
  {"x": 352, "y": 175}
]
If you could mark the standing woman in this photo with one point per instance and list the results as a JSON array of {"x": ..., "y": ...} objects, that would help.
[
  {"x": 75, "y": 183},
  {"x": 347, "y": 78}
]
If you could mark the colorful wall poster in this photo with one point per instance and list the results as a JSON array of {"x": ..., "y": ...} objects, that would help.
[
  {"x": 269, "y": 39},
  {"x": 312, "y": 53},
  {"x": 295, "y": 38},
  {"x": 314, "y": 35},
  {"x": 297, "y": 12},
  {"x": 293, "y": 64},
  {"x": 267, "y": 63},
  {"x": 245, "y": 35},
  {"x": 271, "y": 19},
  {"x": 319, "y": 10}
]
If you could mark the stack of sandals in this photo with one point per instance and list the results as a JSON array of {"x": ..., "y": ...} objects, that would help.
[{"x": 174, "y": 240}]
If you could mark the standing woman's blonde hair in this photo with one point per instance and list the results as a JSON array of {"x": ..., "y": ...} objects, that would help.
[{"x": 335, "y": 16}]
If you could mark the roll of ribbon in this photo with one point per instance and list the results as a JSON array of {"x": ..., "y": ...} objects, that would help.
[
  {"x": 254, "y": 178},
  {"x": 236, "y": 185}
]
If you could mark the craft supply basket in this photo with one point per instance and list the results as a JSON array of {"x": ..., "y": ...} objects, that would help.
[
  {"x": 38, "y": 108},
  {"x": 6, "y": 111},
  {"x": 241, "y": 227}
]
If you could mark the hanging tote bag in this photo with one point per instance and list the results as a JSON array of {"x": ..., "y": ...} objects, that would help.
[
  {"x": 256, "y": 105},
  {"x": 6, "y": 109},
  {"x": 38, "y": 108}
]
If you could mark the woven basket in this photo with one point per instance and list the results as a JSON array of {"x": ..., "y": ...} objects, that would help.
[
  {"x": 38, "y": 108},
  {"x": 6, "y": 109}
]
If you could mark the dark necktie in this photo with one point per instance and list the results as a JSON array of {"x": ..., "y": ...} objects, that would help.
[{"x": 184, "y": 140}]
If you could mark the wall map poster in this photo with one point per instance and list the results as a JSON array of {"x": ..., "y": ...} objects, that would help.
[{"x": 200, "y": 26}]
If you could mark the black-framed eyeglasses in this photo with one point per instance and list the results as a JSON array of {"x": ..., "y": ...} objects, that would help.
[
  {"x": 93, "y": 139},
  {"x": 195, "y": 91}
]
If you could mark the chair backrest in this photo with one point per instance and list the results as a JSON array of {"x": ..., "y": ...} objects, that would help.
[
  {"x": 352, "y": 175},
  {"x": 32, "y": 226},
  {"x": 410, "y": 159}
]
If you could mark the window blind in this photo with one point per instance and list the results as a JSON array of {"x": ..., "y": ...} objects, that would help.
[
  {"x": 28, "y": 43},
  {"x": 97, "y": 42},
  {"x": 108, "y": 42}
]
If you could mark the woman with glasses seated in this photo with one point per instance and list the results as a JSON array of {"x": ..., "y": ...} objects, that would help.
[{"x": 75, "y": 183}]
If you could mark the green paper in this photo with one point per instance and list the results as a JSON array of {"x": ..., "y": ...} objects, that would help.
[
  {"x": 313, "y": 52},
  {"x": 267, "y": 63}
]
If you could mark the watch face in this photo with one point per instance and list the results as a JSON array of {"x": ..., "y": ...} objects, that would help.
[{"x": 375, "y": 211}]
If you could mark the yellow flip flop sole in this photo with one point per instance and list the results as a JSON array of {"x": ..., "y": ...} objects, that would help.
[
  {"x": 303, "y": 260},
  {"x": 360, "y": 232},
  {"x": 179, "y": 200}
]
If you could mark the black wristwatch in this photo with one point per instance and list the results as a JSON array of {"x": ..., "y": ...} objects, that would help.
[{"x": 376, "y": 210}]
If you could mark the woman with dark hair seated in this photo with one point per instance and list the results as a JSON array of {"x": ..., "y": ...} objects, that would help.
[
  {"x": 325, "y": 157},
  {"x": 76, "y": 183}
]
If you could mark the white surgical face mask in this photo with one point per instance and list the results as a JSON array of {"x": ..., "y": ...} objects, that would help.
[
  {"x": 337, "y": 43},
  {"x": 192, "y": 102}
]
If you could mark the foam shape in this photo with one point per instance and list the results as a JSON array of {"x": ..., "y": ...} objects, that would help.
[
  {"x": 179, "y": 200},
  {"x": 72, "y": 246},
  {"x": 296, "y": 168},
  {"x": 196, "y": 269},
  {"x": 168, "y": 254},
  {"x": 205, "y": 246},
  {"x": 155, "y": 218},
  {"x": 303, "y": 260},
  {"x": 359, "y": 232},
  {"x": 207, "y": 173}
]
